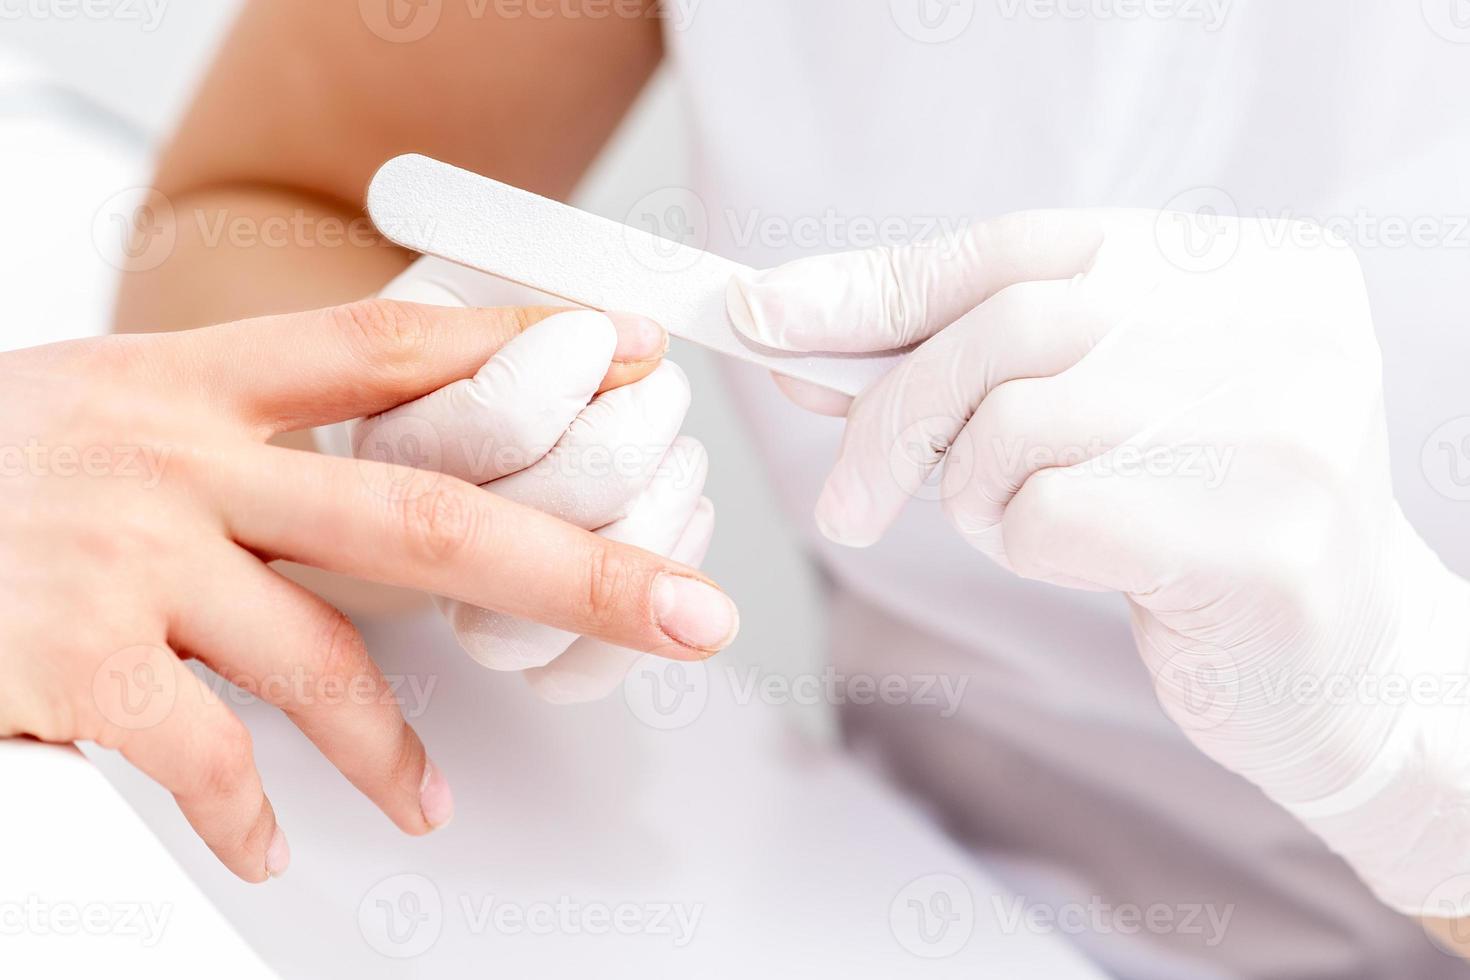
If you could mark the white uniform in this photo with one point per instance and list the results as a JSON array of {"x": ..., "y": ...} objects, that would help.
[{"x": 823, "y": 123}]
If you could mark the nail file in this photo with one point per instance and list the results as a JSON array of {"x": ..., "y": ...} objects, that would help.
[{"x": 438, "y": 209}]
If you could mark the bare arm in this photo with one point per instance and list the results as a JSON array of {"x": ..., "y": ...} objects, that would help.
[{"x": 305, "y": 101}]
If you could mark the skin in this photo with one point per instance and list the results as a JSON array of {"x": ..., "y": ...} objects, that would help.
[
  {"x": 259, "y": 144},
  {"x": 477, "y": 92},
  {"x": 138, "y": 518}
]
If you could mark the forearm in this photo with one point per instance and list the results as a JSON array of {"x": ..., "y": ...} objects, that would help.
[
  {"x": 241, "y": 251},
  {"x": 267, "y": 172}
]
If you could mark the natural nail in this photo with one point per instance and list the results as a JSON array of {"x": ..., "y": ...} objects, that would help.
[
  {"x": 694, "y": 613},
  {"x": 639, "y": 338},
  {"x": 435, "y": 798},
  {"x": 278, "y": 855}
]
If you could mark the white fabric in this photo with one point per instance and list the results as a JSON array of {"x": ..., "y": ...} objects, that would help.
[
  {"x": 89, "y": 891},
  {"x": 845, "y": 119}
]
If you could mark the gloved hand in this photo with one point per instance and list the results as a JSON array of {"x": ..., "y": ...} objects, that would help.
[
  {"x": 1202, "y": 431},
  {"x": 532, "y": 427}
]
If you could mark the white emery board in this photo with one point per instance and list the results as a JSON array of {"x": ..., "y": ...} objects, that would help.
[{"x": 440, "y": 210}]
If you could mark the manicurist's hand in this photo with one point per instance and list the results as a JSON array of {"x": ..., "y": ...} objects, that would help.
[
  {"x": 538, "y": 425},
  {"x": 140, "y": 507},
  {"x": 1188, "y": 412}
]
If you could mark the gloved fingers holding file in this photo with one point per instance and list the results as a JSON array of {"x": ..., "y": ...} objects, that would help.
[
  {"x": 1188, "y": 411},
  {"x": 577, "y": 417}
]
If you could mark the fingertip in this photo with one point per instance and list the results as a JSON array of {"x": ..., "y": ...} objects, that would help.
[
  {"x": 277, "y": 855},
  {"x": 436, "y": 799},
  {"x": 813, "y": 398},
  {"x": 742, "y": 310},
  {"x": 621, "y": 375},
  {"x": 846, "y": 513},
  {"x": 694, "y": 613},
  {"x": 639, "y": 338},
  {"x": 586, "y": 330}
]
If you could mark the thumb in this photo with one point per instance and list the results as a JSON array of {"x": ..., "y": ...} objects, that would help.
[{"x": 889, "y": 298}]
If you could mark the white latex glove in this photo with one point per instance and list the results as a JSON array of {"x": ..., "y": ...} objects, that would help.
[
  {"x": 531, "y": 427},
  {"x": 1203, "y": 431}
]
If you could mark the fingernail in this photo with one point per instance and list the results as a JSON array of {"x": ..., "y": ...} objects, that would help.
[
  {"x": 742, "y": 312},
  {"x": 278, "y": 855},
  {"x": 435, "y": 798},
  {"x": 639, "y": 338},
  {"x": 693, "y": 613},
  {"x": 844, "y": 520}
]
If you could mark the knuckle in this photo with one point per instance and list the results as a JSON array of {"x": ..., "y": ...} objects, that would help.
[
  {"x": 342, "y": 652},
  {"x": 440, "y": 524},
  {"x": 406, "y": 766},
  {"x": 48, "y": 716},
  {"x": 387, "y": 335},
  {"x": 519, "y": 319},
  {"x": 610, "y": 580},
  {"x": 230, "y": 760},
  {"x": 996, "y": 435}
]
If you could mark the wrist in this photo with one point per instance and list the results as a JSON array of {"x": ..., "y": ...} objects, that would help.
[{"x": 1403, "y": 821}]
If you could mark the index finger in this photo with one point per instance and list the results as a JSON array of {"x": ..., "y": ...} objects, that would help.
[
  {"x": 888, "y": 298},
  {"x": 295, "y": 371},
  {"x": 422, "y": 530}
]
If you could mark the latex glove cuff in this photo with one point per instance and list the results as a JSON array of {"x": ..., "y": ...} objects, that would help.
[{"x": 1404, "y": 823}]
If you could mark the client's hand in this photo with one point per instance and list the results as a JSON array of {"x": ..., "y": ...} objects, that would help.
[
  {"x": 531, "y": 426},
  {"x": 140, "y": 505}
]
